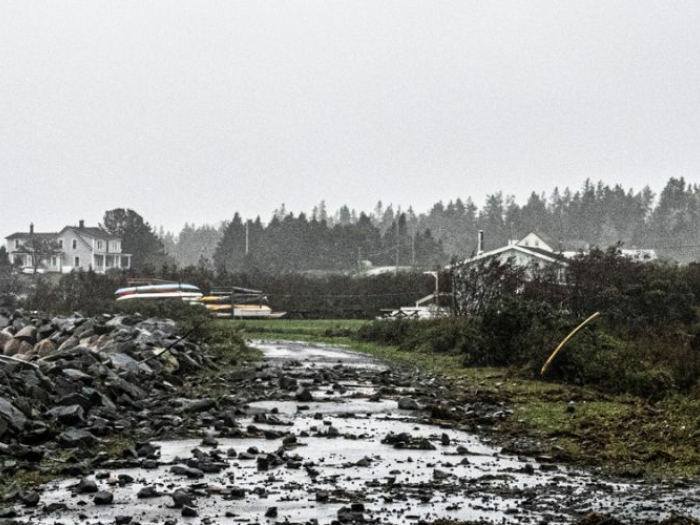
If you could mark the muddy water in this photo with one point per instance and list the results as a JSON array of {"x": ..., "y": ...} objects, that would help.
[{"x": 339, "y": 459}]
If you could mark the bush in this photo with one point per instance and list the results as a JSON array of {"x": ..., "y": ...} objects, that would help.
[{"x": 394, "y": 332}]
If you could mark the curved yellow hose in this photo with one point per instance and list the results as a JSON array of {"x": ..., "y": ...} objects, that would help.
[{"x": 573, "y": 332}]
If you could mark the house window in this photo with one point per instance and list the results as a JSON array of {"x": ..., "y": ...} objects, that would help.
[
  {"x": 75, "y": 244},
  {"x": 16, "y": 244},
  {"x": 60, "y": 243},
  {"x": 76, "y": 261},
  {"x": 54, "y": 261},
  {"x": 99, "y": 245},
  {"x": 115, "y": 246}
]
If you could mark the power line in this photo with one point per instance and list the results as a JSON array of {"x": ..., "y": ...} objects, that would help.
[{"x": 334, "y": 296}]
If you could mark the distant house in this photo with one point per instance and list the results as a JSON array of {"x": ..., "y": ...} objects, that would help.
[
  {"x": 531, "y": 250},
  {"x": 539, "y": 250},
  {"x": 73, "y": 248}
]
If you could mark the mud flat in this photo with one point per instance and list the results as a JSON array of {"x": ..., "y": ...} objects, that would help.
[{"x": 317, "y": 434}]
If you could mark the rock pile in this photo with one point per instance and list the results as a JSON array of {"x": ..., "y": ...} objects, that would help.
[{"x": 71, "y": 380}]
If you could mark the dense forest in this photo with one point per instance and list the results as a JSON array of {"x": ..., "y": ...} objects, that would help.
[{"x": 594, "y": 215}]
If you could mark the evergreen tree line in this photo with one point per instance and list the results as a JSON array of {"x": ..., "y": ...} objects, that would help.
[{"x": 595, "y": 215}]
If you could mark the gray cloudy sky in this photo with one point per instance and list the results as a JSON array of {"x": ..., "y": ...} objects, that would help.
[{"x": 189, "y": 111}]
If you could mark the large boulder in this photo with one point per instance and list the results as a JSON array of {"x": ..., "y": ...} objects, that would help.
[
  {"x": 17, "y": 346},
  {"x": 28, "y": 334},
  {"x": 12, "y": 415},
  {"x": 45, "y": 347}
]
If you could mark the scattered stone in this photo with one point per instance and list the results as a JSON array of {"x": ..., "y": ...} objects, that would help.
[
  {"x": 104, "y": 497},
  {"x": 189, "y": 512}
]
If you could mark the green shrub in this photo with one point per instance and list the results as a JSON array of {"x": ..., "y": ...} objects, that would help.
[
  {"x": 392, "y": 332},
  {"x": 454, "y": 335}
]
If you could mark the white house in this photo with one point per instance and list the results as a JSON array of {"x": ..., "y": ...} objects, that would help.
[
  {"x": 531, "y": 250},
  {"x": 73, "y": 248}
]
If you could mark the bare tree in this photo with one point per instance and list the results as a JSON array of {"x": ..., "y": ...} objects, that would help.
[{"x": 41, "y": 247}]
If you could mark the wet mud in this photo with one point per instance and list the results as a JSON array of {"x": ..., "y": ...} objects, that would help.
[{"x": 316, "y": 434}]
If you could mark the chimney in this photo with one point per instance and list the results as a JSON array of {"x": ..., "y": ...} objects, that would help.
[
  {"x": 480, "y": 242},
  {"x": 31, "y": 228},
  {"x": 81, "y": 223}
]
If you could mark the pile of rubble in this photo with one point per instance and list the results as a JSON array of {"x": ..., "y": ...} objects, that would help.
[{"x": 67, "y": 381}]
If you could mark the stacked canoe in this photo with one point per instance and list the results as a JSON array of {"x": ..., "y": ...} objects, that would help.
[
  {"x": 238, "y": 302},
  {"x": 186, "y": 292}
]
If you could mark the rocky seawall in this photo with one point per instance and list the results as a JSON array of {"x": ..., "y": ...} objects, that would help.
[{"x": 66, "y": 383}]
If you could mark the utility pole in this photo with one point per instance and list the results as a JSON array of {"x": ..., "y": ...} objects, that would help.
[
  {"x": 413, "y": 248},
  {"x": 246, "y": 236},
  {"x": 397, "y": 245}
]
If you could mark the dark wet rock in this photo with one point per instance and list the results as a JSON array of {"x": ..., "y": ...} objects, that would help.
[
  {"x": 352, "y": 514},
  {"x": 123, "y": 520},
  {"x": 304, "y": 395},
  {"x": 14, "y": 417},
  {"x": 199, "y": 405},
  {"x": 149, "y": 491},
  {"x": 407, "y": 403},
  {"x": 86, "y": 486},
  {"x": 440, "y": 474},
  {"x": 104, "y": 497},
  {"x": 68, "y": 415},
  {"x": 209, "y": 441},
  {"x": 237, "y": 493},
  {"x": 30, "y": 498},
  {"x": 54, "y": 507},
  {"x": 76, "y": 437},
  {"x": 189, "y": 512},
  {"x": 182, "y": 498},
  {"x": 271, "y": 512}
]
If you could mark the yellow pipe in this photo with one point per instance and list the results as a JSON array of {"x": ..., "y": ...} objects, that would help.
[{"x": 556, "y": 351}]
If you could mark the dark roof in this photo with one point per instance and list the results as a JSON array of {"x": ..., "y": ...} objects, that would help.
[
  {"x": 91, "y": 231},
  {"x": 27, "y": 235}
]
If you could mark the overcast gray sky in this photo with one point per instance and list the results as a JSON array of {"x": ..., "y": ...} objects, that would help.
[{"x": 189, "y": 111}]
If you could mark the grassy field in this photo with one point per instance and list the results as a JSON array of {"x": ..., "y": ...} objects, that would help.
[{"x": 621, "y": 434}]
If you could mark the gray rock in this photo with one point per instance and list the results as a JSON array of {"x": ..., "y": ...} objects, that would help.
[
  {"x": 27, "y": 334},
  {"x": 76, "y": 437},
  {"x": 86, "y": 486},
  {"x": 14, "y": 417},
  {"x": 12, "y": 347},
  {"x": 304, "y": 395},
  {"x": 68, "y": 415},
  {"x": 407, "y": 403},
  {"x": 45, "y": 347},
  {"x": 124, "y": 362},
  {"x": 104, "y": 497},
  {"x": 149, "y": 491},
  {"x": 182, "y": 498}
]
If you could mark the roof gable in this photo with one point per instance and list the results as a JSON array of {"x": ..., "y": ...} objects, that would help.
[
  {"x": 536, "y": 253},
  {"x": 92, "y": 232}
]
